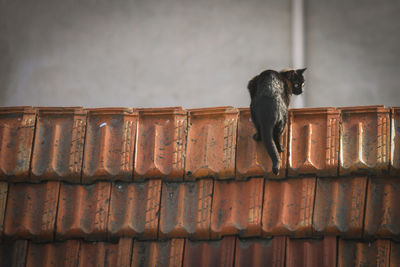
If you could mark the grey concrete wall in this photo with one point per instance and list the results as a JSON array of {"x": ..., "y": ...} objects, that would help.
[
  {"x": 138, "y": 53},
  {"x": 353, "y": 52}
]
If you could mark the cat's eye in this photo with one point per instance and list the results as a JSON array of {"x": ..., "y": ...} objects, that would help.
[{"x": 296, "y": 85}]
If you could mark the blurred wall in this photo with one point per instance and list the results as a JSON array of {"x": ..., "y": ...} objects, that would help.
[
  {"x": 192, "y": 53},
  {"x": 138, "y": 53}
]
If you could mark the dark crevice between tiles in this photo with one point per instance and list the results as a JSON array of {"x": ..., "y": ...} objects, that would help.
[
  {"x": 33, "y": 146},
  {"x": 234, "y": 250},
  {"x": 4, "y": 215},
  {"x": 108, "y": 212},
  {"x": 159, "y": 211},
  {"x": 313, "y": 208},
  {"x": 262, "y": 206},
  {"x": 183, "y": 251},
  {"x": 58, "y": 204},
  {"x": 337, "y": 251},
  {"x": 365, "y": 208},
  {"x": 211, "y": 208},
  {"x": 83, "y": 148},
  {"x": 285, "y": 248}
]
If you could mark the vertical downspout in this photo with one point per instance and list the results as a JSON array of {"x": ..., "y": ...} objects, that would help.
[{"x": 298, "y": 46}]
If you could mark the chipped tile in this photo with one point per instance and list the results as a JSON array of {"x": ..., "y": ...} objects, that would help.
[
  {"x": 13, "y": 253},
  {"x": 312, "y": 252},
  {"x": 17, "y": 126},
  {"x": 134, "y": 209},
  {"x": 339, "y": 206},
  {"x": 364, "y": 140},
  {"x": 186, "y": 209},
  {"x": 209, "y": 253},
  {"x": 160, "y": 253},
  {"x": 252, "y": 159},
  {"x": 382, "y": 213},
  {"x": 54, "y": 254},
  {"x": 3, "y": 201},
  {"x": 260, "y": 252},
  {"x": 395, "y": 142},
  {"x": 314, "y": 142},
  {"x": 161, "y": 144},
  {"x": 211, "y": 143},
  {"x": 106, "y": 254},
  {"x": 83, "y": 211},
  {"x": 236, "y": 208},
  {"x": 109, "y": 145},
  {"x": 353, "y": 253},
  {"x": 58, "y": 146},
  {"x": 288, "y": 207},
  {"x": 31, "y": 211}
]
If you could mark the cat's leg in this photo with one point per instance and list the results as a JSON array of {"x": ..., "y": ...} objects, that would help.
[
  {"x": 278, "y": 130},
  {"x": 257, "y": 135},
  {"x": 267, "y": 138}
]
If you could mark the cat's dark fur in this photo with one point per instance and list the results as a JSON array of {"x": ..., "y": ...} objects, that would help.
[{"x": 270, "y": 93}]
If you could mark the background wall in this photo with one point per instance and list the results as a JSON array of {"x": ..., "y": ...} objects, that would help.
[{"x": 192, "y": 53}]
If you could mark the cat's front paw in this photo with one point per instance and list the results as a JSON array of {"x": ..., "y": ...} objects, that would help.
[
  {"x": 275, "y": 170},
  {"x": 257, "y": 137}
]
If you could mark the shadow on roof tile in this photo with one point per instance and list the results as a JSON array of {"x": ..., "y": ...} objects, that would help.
[
  {"x": 252, "y": 158},
  {"x": 17, "y": 126},
  {"x": 109, "y": 144},
  {"x": 211, "y": 143},
  {"x": 58, "y": 146},
  {"x": 54, "y": 254},
  {"x": 14, "y": 253},
  {"x": 314, "y": 142},
  {"x": 161, "y": 144}
]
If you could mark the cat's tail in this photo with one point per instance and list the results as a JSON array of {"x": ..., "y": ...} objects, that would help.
[{"x": 268, "y": 140}]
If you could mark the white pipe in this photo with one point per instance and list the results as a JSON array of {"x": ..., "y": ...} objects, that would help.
[{"x": 298, "y": 44}]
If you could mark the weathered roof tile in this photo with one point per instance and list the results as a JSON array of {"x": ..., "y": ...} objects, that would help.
[
  {"x": 14, "y": 253},
  {"x": 53, "y": 254},
  {"x": 395, "y": 142}
]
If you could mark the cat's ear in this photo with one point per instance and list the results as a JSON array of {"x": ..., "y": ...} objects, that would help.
[
  {"x": 301, "y": 71},
  {"x": 287, "y": 72}
]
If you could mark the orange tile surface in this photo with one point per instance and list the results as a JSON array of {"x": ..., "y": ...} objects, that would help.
[
  {"x": 310, "y": 253},
  {"x": 314, "y": 142},
  {"x": 237, "y": 208},
  {"x": 162, "y": 253},
  {"x": 31, "y": 211},
  {"x": 106, "y": 254},
  {"x": 17, "y": 126},
  {"x": 209, "y": 253},
  {"x": 260, "y": 252},
  {"x": 395, "y": 142},
  {"x": 161, "y": 144},
  {"x": 211, "y": 143},
  {"x": 53, "y": 254},
  {"x": 186, "y": 209},
  {"x": 58, "y": 146},
  {"x": 339, "y": 206},
  {"x": 353, "y": 253},
  {"x": 382, "y": 213},
  {"x": 134, "y": 209},
  {"x": 252, "y": 159},
  {"x": 288, "y": 207},
  {"x": 109, "y": 144},
  {"x": 364, "y": 140},
  {"x": 83, "y": 211}
]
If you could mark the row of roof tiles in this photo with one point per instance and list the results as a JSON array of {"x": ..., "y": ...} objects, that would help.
[
  {"x": 350, "y": 207},
  {"x": 85, "y": 145},
  {"x": 230, "y": 251}
]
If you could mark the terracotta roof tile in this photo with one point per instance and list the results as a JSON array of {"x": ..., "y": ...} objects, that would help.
[
  {"x": 309, "y": 253},
  {"x": 106, "y": 254},
  {"x": 161, "y": 144},
  {"x": 211, "y": 143},
  {"x": 237, "y": 208},
  {"x": 3, "y": 201},
  {"x": 14, "y": 253},
  {"x": 364, "y": 140},
  {"x": 17, "y": 126},
  {"x": 260, "y": 252},
  {"x": 314, "y": 142},
  {"x": 58, "y": 145},
  {"x": 186, "y": 209},
  {"x": 288, "y": 207},
  {"x": 394, "y": 254},
  {"x": 53, "y": 254},
  {"x": 161, "y": 253},
  {"x": 209, "y": 253},
  {"x": 109, "y": 145},
  {"x": 83, "y": 211},
  {"x": 339, "y": 206},
  {"x": 31, "y": 211},
  {"x": 382, "y": 213},
  {"x": 353, "y": 253},
  {"x": 395, "y": 142},
  {"x": 134, "y": 209},
  {"x": 252, "y": 158}
]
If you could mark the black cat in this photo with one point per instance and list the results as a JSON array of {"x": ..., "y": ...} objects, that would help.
[{"x": 270, "y": 93}]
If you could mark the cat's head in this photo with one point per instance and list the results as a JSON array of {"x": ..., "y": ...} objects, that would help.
[{"x": 296, "y": 78}]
